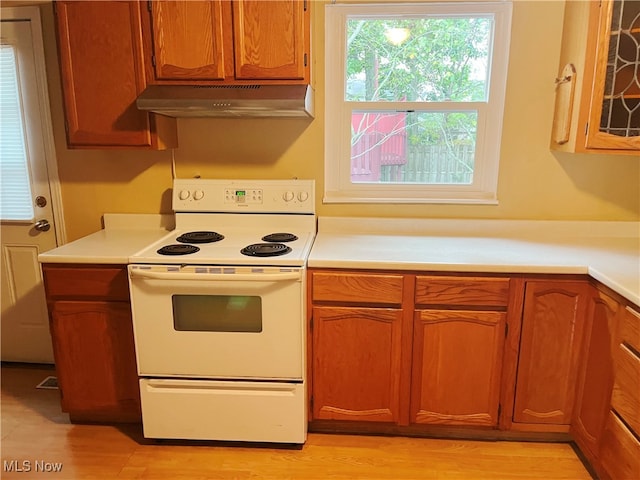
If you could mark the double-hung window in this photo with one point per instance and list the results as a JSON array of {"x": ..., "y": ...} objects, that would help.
[{"x": 414, "y": 101}]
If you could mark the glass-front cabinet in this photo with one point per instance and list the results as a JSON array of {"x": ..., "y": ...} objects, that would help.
[{"x": 598, "y": 86}]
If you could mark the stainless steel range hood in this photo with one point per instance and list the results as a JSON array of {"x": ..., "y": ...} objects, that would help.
[{"x": 228, "y": 100}]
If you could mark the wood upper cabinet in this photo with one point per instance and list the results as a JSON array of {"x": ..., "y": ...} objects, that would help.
[
  {"x": 597, "y": 102},
  {"x": 93, "y": 345},
  {"x": 191, "y": 40},
  {"x": 102, "y": 70},
  {"x": 552, "y": 325},
  {"x": 224, "y": 41},
  {"x": 456, "y": 367},
  {"x": 271, "y": 39}
]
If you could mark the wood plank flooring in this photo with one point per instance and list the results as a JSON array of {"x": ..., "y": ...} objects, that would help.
[{"x": 35, "y": 430}]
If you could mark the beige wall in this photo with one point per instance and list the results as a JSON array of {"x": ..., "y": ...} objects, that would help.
[{"x": 534, "y": 183}]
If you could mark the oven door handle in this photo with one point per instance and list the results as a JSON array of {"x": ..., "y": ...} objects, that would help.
[{"x": 207, "y": 277}]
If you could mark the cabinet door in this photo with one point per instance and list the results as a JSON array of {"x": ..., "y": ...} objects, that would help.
[
  {"x": 271, "y": 39},
  {"x": 614, "y": 120},
  {"x": 552, "y": 324},
  {"x": 595, "y": 380},
  {"x": 457, "y": 362},
  {"x": 95, "y": 360},
  {"x": 100, "y": 48},
  {"x": 191, "y": 40},
  {"x": 356, "y": 365}
]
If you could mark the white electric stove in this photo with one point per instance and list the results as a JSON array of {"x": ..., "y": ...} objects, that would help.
[{"x": 219, "y": 313}]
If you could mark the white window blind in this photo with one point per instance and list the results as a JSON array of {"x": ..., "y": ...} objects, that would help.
[{"x": 15, "y": 187}]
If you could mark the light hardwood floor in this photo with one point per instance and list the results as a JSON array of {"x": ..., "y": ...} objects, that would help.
[{"x": 35, "y": 430}]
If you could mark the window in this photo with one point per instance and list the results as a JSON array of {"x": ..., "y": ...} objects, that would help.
[
  {"x": 414, "y": 101},
  {"x": 15, "y": 194}
]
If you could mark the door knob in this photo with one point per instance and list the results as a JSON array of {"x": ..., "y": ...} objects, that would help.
[{"x": 42, "y": 226}]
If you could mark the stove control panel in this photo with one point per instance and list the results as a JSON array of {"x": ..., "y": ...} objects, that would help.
[
  {"x": 273, "y": 196},
  {"x": 243, "y": 196}
]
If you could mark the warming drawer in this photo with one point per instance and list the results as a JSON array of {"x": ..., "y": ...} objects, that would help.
[{"x": 228, "y": 411}]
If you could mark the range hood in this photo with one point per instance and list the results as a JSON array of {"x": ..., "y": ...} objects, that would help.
[{"x": 228, "y": 100}]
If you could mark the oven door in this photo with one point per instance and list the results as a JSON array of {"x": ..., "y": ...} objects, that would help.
[{"x": 218, "y": 322}]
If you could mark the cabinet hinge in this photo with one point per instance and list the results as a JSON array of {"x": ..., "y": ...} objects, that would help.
[
  {"x": 153, "y": 61},
  {"x": 149, "y": 7},
  {"x": 499, "y": 410},
  {"x": 586, "y": 128},
  {"x": 311, "y": 403},
  {"x": 311, "y": 323},
  {"x": 506, "y": 329},
  {"x": 304, "y": 5},
  {"x": 305, "y": 59}
]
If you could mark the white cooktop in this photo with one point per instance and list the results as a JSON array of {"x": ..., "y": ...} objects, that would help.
[
  {"x": 243, "y": 212},
  {"x": 238, "y": 233}
]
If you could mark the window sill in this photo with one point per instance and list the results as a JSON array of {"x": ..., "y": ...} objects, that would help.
[{"x": 333, "y": 197}]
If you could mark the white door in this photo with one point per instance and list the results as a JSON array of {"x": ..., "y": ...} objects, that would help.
[{"x": 26, "y": 159}]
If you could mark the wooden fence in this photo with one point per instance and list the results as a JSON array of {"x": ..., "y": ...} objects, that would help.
[{"x": 432, "y": 164}]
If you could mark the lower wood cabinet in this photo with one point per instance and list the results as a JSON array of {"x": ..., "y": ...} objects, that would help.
[
  {"x": 356, "y": 367},
  {"x": 94, "y": 354},
  {"x": 552, "y": 324},
  {"x": 93, "y": 345},
  {"x": 596, "y": 373},
  {"x": 405, "y": 349},
  {"x": 358, "y": 325},
  {"x": 456, "y": 367},
  {"x": 619, "y": 453},
  {"x": 396, "y": 352}
]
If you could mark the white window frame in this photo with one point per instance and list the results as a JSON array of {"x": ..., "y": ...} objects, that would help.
[{"x": 338, "y": 111}]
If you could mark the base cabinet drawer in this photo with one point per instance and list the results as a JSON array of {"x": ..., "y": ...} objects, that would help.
[
  {"x": 619, "y": 450},
  {"x": 99, "y": 282},
  {"x": 462, "y": 291},
  {"x": 363, "y": 288},
  {"x": 630, "y": 329},
  {"x": 626, "y": 389}
]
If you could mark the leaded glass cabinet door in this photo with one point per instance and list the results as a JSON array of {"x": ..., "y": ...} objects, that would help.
[{"x": 614, "y": 120}]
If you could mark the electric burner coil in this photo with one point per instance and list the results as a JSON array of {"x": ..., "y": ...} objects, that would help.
[
  {"x": 202, "y": 236},
  {"x": 280, "y": 237},
  {"x": 265, "y": 250},
  {"x": 178, "y": 249}
]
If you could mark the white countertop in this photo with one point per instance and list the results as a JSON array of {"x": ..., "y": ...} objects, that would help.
[
  {"x": 123, "y": 235},
  {"x": 608, "y": 251}
]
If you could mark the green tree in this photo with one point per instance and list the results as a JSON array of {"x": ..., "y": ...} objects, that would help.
[{"x": 442, "y": 59}]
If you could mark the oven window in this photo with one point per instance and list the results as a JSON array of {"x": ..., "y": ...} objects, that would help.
[{"x": 217, "y": 313}]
